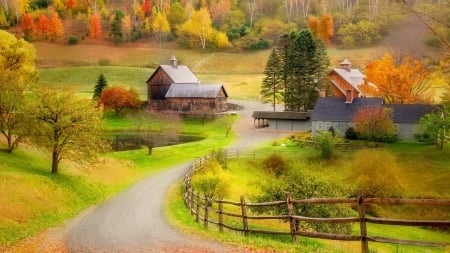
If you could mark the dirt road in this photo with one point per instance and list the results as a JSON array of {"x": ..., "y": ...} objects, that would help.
[{"x": 134, "y": 221}]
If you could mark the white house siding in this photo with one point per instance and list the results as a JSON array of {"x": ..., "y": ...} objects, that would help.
[
  {"x": 406, "y": 131},
  {"x": 339, "y": 127}
]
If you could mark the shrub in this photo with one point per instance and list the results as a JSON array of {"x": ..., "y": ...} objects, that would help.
[
  {"x": 275, "y": 164},
  {"x": 326, "y": 145},
  {"x": 104, "y": 62},
  {"x": 351, "y": 134},
  {"x": 72, "y": 40},
  {"x": 210, "y": 179},
  {"x": 260, "y": 44}
]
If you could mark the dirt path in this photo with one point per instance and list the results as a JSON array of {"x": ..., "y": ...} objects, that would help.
[{"x": 133, "y": 221}]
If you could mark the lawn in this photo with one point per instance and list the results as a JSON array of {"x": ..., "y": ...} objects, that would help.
[{"x": 33, "y": 199}]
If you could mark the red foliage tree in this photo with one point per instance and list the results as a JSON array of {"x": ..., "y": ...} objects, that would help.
[
  {"x": 95, "y": 28},
  {"x": 147, "y": 7},
  {"x": 27, "y": 26},
  {"x": 70, "y": 4},
  {"x": 42, "y": 26},
  {"x": 374, "y": 123},
  {"x": 118, "y": 98}
]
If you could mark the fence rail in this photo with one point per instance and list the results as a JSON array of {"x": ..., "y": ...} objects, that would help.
[{"x": 203, "y": 208}]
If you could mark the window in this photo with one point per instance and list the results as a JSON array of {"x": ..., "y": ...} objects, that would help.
[
  {"x": 327, "y": 125},
  {"x": 319, "y": 125}
]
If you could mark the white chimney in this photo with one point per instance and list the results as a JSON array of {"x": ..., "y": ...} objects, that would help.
[{"x": 173, "y": 61}]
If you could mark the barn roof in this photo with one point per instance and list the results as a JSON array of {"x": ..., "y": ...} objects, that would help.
[
  {"x": 194, "y": 90},
  {"x": 179, "y": 74},
  {"x": 354, "y": 77}
]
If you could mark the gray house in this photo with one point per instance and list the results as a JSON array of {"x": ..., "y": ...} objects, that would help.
[{"x": 337, "y": 113}]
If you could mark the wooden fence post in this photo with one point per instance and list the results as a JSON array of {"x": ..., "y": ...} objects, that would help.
[
  {"x": 205, "y": 222},
  {"x": 244, "y": 215},
  {"x": 220, "y": 214},
  {"x": 197, "y": 208},
  {"x": 290, "y": 207},
  {"x": 362, "y": 225},
  {"x": 191, "y": 201}
]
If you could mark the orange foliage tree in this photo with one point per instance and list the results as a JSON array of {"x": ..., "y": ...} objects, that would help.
[
  {"x": 147, "y": 7},
  {"x": 27, "y": 26},
  {"x": 42, "y": 26},
  {"x": 70, "y": 4},
  {"x": 118, "y": 98},
  {"x": 95, "y": 30},
  {"x": 313, "y": 25},
  {"x": 397, "y": 83},
  {"x": 374, "y": 123},
  {"x": 326, "y": 28},
  {"x": 56, "y": 29}
]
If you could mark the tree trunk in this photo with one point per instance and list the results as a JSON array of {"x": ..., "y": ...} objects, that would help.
[
  {"x": 55, "y": 162},
  {"x": 10, "y": 144},
  {"x": 150, "y": 145}
]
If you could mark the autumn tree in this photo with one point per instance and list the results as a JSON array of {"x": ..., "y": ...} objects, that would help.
[
  {"x": 156, "y": 127},
  {"x": 374, "y": 123},
  {"x": 27, "y": 26},
  {"x": 70, "y": 4},
  {"x": 147, "y": 7},
  {"x": 326, "y": 28},
  {"x": 127, "y": 27},
  {"x": 17, "y": 77},
  {"x": 198, "y": 27},
  {"x": 43, "y": 26},
  {"x": 397, "y": 83},
  {"x": 95, "y": 30},
  {"x": 56, "y": 29},
  {"x": 313, "y": 25},
  {"x": 68, "y": 126},
  {"x": 99, "y": 86},
  {"x": 118, "y": 98},
  {"x": 160, "y": 26},
  {"x": 272, "y": 86},
  {"x": 219, "y": 11},
  {"x": 176, "y": 16}
]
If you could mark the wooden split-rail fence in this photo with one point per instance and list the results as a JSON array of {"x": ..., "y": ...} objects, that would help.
[{"x": 216, "y": 211}]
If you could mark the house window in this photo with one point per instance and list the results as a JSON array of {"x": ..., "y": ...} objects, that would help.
[
  {"x": 319, "y": 125},
  {"x": 342, "y": 126},
  {"x": 327, "y": 125}
]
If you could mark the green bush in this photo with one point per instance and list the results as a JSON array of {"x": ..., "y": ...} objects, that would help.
[
  {"x": 72, "y": 40},
  {"x": 326, "y": 145},
  {"x": 351, "y": 134},
  {"x": 275, "y": 164},
  {"x": 210, "y": 180},
  {"x": 260, "y": 44}
]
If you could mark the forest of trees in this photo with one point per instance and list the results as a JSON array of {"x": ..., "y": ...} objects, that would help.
[{"x": 250, "y": 24}]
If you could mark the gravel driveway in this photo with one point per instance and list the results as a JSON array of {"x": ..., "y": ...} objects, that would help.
[{"x": 133, "y": 221}]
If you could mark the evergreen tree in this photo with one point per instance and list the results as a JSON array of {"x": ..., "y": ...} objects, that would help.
[
  {"x": 271, "y": 87},
  {"x": 305, "y": 64},
  {"x": 116, "y": 27},
  {"x": 101, "y": 84},
  {"x": 284, "y": 50}
]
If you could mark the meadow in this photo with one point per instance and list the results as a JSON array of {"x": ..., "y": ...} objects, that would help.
[{"x": 422, "y": 172}]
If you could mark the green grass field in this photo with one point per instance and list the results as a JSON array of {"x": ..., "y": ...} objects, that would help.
[
  {"x": 424, "y": 173},
  {"x": 33, "y": 199}
]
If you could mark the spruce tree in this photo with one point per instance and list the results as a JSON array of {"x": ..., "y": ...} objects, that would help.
[
  {"x": 284, "y": 51},
  {"x": 101, "y": 84},
  {"x": 272, "y": 87}
]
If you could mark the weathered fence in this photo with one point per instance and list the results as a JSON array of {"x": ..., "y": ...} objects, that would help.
[{"x": 204, "y": 208}]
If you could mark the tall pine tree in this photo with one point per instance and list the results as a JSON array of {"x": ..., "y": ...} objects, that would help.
[
  {"x": 305, "y": 65},
  {"x": 101, "y": 84},
  {"x": 272, "y": 85},
  {"x": 284, "y": 51}
]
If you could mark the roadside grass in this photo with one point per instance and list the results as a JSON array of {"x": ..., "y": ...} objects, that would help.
[
  {"x": 424, "y": 171},
  {"x": 33, "y": 199}
]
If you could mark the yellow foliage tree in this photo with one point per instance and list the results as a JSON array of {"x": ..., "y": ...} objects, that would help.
[
  {"x": 199, "y": 26},
  {"x": 397, "y": 83}
]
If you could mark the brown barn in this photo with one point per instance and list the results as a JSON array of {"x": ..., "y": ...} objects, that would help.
[{"x": 174, "y": 87}]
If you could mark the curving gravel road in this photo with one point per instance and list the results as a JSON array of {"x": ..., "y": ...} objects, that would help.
[{"x": 133, "y": 221}]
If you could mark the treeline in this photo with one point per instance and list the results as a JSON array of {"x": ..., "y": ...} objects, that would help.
[{"x": 209, "y": 23}]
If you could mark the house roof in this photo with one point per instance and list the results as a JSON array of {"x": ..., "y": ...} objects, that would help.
[
  {"x": 335, "y": 109},
  {"x": 194, "y": 90},
  {"x": 410, "y": 113},
  {"x": 280, "y": 115},
  {"x": 354, "y": 77}
]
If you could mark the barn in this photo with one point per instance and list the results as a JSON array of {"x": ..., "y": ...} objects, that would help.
[{"x": 175, "y": 88}]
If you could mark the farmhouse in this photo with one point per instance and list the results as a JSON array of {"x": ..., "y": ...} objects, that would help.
[
  {"x": 174, "y": 87},
  {"x": 338, "y": 113},
  {"x": 346, "y": 81}
]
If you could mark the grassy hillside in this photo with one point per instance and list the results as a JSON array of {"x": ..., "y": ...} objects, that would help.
[{"x": 423, "y": 172}]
